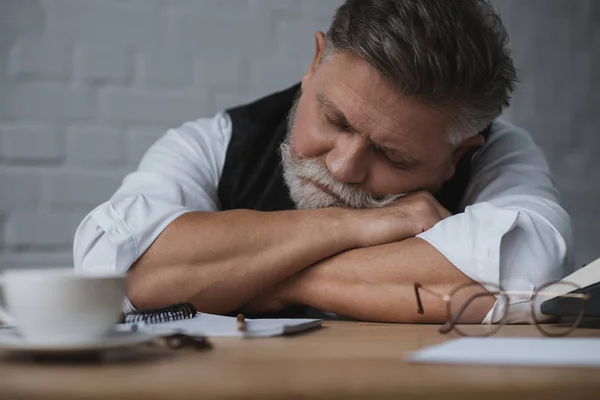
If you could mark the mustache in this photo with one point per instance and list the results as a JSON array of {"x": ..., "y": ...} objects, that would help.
[{"x": 350, "y": 195}]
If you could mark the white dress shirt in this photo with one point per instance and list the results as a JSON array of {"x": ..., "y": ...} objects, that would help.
[{"x": 513, "y": 231}]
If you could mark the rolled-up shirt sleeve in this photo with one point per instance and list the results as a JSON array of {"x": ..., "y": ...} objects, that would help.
[
  {"x": 513, "y": 232},
  {"x": 179, "y": 173}
]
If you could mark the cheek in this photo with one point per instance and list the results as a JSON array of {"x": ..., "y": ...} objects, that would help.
[
  {"x": 309, "y": 136},
  {"x": 385, "y": 180}
]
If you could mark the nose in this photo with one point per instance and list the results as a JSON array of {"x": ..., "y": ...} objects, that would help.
[{"x": 345, "y": 160}]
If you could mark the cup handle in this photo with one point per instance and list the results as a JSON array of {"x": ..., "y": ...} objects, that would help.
[{"x": 5, "y": 317}]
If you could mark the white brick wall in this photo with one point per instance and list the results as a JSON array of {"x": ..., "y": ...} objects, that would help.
[
  {"x": 31, "y": 143},
  {"x": 49, "y": 101},
  {"x": 104, "y": 63},
  {"x": 87, "y": 86},
  {"x": 165, "y": 69},
  {"x": 141, "y": 105},
  {"x": 39, "y": 56},
  {"x": 31, "y": 230},
  {"x": 95, "y": 146},
  {"x": 68, "y": 189},
  {"x": 139, "y": 139},
  {"x": 21, "y": 189}
]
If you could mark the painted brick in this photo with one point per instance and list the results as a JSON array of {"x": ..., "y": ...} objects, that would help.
[
  {"x": 274, "y": 74},
  {"x": 216, "y": 8},
  {"x": 166, "y": 68},
  {"x": 224, "y": 99},
  {"x": 120, "y": 23},
  {"x": 41, "y": 229},
  {"x": 20, "y": 189},
  {"x": 105, "y": 62},
  {"x": 95, "y": 146},
  {"x": 20, "y": 16},
  {"x": 320, "y": 8},
  {"x": 36, "y": 259},
  {"x": 295, "y": 39},
  {"x": 31, "y": 144},
  {"x": 144, "y": 106},
  {"x": 41, "y": 56},
  {"x": 139, "y": 140},
  {"x": 281, "y": 7},
  {"x": 45, "y": 100},
  {"x": 221, "y": 70},
  {"x": 198, "y": 31},
  {"x": 80, "y": 190}
]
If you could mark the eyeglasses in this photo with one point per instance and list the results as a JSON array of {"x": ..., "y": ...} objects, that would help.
[
  {"x": 180, "y": 341},
  {"x": 465, "y": 304}
]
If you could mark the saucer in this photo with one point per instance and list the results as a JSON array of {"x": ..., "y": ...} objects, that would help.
[{"x": 12, "y": 341}]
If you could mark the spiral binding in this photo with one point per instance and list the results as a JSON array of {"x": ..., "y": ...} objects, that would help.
[{"x": 170, "y": 313}]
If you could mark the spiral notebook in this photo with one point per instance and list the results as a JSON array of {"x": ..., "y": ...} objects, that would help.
[{"x": 184, "y": 318}]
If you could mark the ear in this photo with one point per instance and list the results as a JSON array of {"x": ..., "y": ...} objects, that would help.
[
  {"x": 472, "y": 143},
  {"x": 319, "y": 51}
]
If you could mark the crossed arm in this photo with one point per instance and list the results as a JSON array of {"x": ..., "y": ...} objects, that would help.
[
  {"x": 357, "y": 263},
  {"x": 374, "y": 284}
]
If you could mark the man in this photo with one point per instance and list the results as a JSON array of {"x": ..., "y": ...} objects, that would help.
[{"x": 385, "y": 167}]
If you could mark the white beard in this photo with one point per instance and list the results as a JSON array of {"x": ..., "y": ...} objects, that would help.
[{"x": 301, "y": 174}]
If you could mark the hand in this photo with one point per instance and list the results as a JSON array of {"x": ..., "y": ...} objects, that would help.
[{"x": 406, "y": 217}]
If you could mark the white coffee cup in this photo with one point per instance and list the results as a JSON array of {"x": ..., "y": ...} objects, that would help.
[{"x": 60, "y": 305}]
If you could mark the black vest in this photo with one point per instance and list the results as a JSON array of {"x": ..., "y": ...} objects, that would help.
[{"x": 253, "y": 176}]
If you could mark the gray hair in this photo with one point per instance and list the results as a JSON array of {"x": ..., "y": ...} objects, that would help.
[{"x": 450, "y": 54}]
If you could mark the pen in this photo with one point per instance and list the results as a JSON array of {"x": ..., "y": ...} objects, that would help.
[{"x": 241, "y": 323}]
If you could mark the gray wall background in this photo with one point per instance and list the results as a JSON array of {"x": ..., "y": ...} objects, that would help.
[{"x": 87, "y": 85}]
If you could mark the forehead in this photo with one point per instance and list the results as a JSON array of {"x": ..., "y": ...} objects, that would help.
[{"x": 373, "y": 106}]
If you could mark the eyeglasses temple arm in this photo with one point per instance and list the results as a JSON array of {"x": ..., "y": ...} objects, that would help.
[
  {"x": 461, "y": 310},
  {"x": 584, "y": 296},
  {"x": 418, "y": 286}
]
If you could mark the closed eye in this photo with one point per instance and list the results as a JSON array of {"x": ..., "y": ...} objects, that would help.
[
  {"x": 341, "y": 124},
  {"x": 396, "y": 159}
]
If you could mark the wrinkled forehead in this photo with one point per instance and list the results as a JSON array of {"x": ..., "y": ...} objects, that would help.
[{"x": 353, "y": 87}]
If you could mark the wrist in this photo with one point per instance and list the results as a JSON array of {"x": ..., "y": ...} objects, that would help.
[
  {"x": 337, "y": 226},
  {"x": 377, "y": 226},
  {"x": 353, "y": 224}
]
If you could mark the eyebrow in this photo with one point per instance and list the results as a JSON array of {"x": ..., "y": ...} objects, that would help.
[
  {"x": 400, "y": 157},
  {"x": 333, "y": 111}
]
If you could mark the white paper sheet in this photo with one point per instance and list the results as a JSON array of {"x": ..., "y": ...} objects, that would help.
[
  {"x": 572, "y": 352},
  {"x": 217, "y": 325}
]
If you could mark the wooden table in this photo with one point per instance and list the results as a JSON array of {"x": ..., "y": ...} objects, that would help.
[{"x": 341, "y": 360}]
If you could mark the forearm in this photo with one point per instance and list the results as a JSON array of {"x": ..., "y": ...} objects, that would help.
[
  {"x": 376, "y": 284},
  {"x": 221, "y": 260}
]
